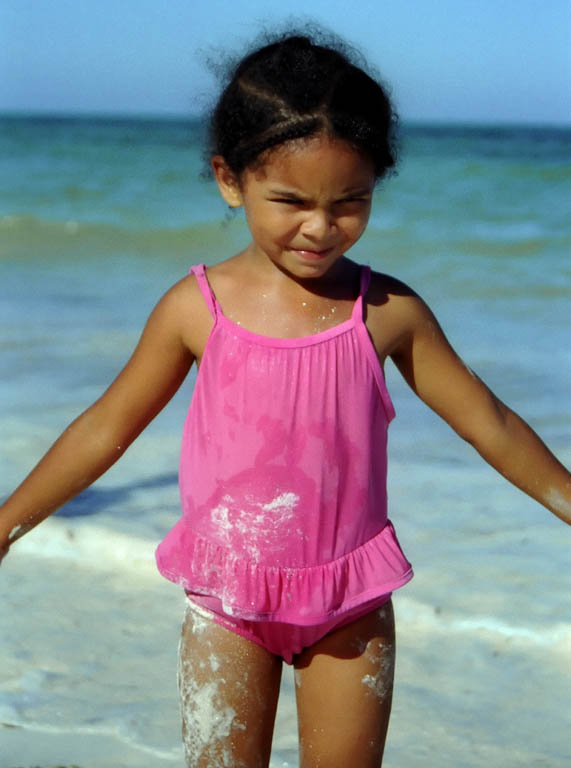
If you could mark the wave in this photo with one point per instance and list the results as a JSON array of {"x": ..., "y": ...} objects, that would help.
[
  {"x": 99, "y": 548},
  {"x": 30, "y": 236},
  {"x": 113, "y": 733},
  {"x": 92, "y": 546},
  {"x": 430, "y": 619}
]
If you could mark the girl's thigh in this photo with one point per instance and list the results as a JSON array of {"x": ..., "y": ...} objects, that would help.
[
  {"x": 229, "y": 689},
  {"x": 344, "y": 686}
]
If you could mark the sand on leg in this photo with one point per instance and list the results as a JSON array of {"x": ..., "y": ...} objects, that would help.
[
  {"x": 344, "y": 686},
  {"x": 229, "y": 688}
]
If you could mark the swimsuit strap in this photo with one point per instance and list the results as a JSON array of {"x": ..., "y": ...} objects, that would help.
[
  {"x": 357, "y": 313},
  {"x": 199, "y": 272}
]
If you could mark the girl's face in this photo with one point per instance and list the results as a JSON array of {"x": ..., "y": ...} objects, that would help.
[{"x": 306, "y": 205}]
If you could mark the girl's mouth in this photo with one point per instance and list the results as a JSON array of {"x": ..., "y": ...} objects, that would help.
[{"x": 312, "y": 255}]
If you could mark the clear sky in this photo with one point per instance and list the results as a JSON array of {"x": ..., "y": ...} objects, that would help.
[{"x": 463, "y": 60}]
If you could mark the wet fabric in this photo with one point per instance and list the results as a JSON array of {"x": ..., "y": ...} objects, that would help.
[
  {"x": 278, "y": 637},
  {"x": 283, "y": 474}
]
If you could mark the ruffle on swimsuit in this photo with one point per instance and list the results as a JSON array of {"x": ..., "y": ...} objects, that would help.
[
  {"x": 312, "y": 594},
  {"x": 283, "y": 474}
]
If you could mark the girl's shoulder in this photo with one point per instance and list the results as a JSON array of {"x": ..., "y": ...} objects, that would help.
[
  {"x": 183, "y": 309},
  {"x": 189, "y": 294},
  {"x": 190, "y": 303},
  {"x": 394, "y": 312},
  {"x": 229, "y": 275},
  {"x": 387, "y": 295},
  {"x": 185, "y": 297}
]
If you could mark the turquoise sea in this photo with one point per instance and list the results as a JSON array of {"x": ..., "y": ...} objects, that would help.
[{"x": 98, "y": 218}]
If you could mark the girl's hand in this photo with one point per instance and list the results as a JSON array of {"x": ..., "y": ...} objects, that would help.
[{"x": 440, "y": 378}]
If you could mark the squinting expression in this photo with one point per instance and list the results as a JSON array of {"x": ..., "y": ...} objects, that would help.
[{"x": 308, "y": 204}]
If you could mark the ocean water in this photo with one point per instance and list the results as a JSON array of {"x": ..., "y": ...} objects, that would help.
[{"x": 97, "y": 219}]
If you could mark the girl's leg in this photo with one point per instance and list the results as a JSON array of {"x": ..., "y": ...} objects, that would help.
[
  {"x": 344, "y": 686},
  {"x": 229, "y": 689}
]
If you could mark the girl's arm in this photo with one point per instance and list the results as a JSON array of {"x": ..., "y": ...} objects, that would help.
[
  {"x": 440, "y": 378},
  {"x": 94, "y": 441}
]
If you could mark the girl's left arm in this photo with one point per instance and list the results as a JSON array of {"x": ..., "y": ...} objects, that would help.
[{"x": 442, "y": 380}]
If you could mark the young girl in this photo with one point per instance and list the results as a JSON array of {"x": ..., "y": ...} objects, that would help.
[{"x": 284, "y": 549}]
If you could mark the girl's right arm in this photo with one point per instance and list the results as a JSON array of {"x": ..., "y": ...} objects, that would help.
[{"x": 95, "y": 440}]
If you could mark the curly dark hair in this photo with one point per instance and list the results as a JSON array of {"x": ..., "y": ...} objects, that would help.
[{"x": 293, "y": 88}]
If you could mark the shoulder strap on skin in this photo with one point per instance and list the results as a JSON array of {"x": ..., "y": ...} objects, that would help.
[
  {"x": 200, "y": 274},
  {"x": 365, "y": 281}
]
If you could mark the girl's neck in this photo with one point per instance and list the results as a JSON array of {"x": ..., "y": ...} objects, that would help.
[
  {"x": 337, "y": 283},
  {"x": 266, "y": 300}
]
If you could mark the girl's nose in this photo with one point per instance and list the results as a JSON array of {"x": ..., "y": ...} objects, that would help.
[{"x": 317, "y": 224}]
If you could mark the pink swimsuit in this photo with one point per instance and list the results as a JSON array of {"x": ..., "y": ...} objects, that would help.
[{"x": 283, "y": 481}]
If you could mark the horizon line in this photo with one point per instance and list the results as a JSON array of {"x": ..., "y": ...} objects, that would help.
[{"x": 190, "y": 117}]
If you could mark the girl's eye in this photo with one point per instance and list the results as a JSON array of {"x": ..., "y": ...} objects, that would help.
[{"x": 294, "y": 201}]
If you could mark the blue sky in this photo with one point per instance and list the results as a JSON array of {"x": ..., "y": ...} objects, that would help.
[{"x": 463, "y": 60}]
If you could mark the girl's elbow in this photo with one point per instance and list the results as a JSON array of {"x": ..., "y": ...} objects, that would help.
[
  {"x": 487, "y": 435},
  {"x": 103, "y": 436}
]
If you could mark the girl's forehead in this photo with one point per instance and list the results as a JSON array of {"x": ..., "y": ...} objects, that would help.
[{"x": 316, "y": 161}]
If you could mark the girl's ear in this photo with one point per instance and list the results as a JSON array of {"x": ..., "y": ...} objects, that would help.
[{"x": 227, "y": 182}]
